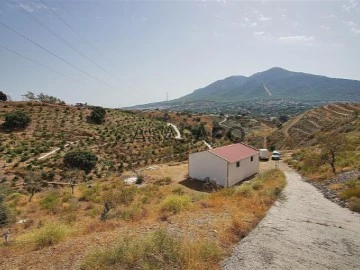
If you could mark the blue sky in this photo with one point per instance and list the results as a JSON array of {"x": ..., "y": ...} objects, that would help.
[{"x": 137, "y": 51}]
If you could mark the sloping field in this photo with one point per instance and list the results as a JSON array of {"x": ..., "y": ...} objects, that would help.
[
  {"x": 125, "y": 141},
  {"x": 300, "y": 130}
]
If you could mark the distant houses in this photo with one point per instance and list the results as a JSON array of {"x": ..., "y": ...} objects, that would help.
[{"x": 226, "y": 165}]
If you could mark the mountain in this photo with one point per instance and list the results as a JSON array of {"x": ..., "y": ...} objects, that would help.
[
  {"x": 275, "y": 83},
  {"x": 213, "y": 90}
]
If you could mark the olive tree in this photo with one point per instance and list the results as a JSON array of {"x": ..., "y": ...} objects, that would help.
[
  {"x": 98, "y": 115},
  {"x": 16, "y": 119},
  {"x": 3, "y": 96},
  {"x": 82, "y": 160}
]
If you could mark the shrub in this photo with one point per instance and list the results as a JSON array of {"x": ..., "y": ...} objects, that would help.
[
  {"x": 16, "y": 119},
  {"x": 82, "y": 160},
  {"x": 352, "y": 183},
  {"x": 91, "y": 194},
  {"x": 257, "y": 185},
  {"x": 176, "y": 203},
  {"x": 178, "y": 191},
  {"x": 50, "y": 202},
  {"x": 210, "y": 252},
  {"x": 351, "y": 192},
  {"x": 244, "y": 190},
  {"x": 98, "y": 115},
  {"x": 121, "y": 196},
  {"x": 49, "y": 235},
  {"x": 134, "y": 212},
  {"x": 158, "y": 250},
  {"x": 3, "y": 96},
  {"x": 354, "y": 204},
  {"x": 164, "y": 181},
  {"x": 6, "y": 215}
]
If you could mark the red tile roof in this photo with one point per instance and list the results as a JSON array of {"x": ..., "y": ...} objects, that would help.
[{"x": 234, "y": 152}]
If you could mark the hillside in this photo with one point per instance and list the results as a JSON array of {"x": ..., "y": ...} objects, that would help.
[
  {"x": 275, "y": 83},
  {"x": 325, "y": 148},
  {"x": 301, "y": 130},
  {"x": 125, "y": 141},
  {"x": 57, "y": 220}
]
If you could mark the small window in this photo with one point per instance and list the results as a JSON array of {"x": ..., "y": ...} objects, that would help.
[
  {"x": 238, "y": 164},
  {"x": 252, "y": 158}
]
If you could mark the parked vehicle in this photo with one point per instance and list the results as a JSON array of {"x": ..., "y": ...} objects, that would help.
[
  {"x": 264, "y": 154},
  {"x": 276, "y": 155}
]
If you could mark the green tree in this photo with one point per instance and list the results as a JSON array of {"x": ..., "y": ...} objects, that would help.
[
  {"x": 82, "y": 160},
  {"x": 98, "y": 115},
  {"x": 16, "y": 119},
  {"x": 3, "y": 96}
]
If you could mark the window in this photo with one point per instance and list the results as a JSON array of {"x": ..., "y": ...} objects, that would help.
[
  {"x": 238, "y": 164},
  {"x": 252, "y": 158}
]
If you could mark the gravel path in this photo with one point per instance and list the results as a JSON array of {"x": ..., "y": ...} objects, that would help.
[{"x": 303, "y": 230}]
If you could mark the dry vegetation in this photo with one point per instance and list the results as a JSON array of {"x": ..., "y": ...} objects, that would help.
[
  {"x": 198, "y": 228},
  {"x": 330, "y": 151},
  {"x": 301, "y": 131},
  {"x": 164, "y": 220}
]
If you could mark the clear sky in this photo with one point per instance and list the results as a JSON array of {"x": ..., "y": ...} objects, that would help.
[{"x": 124, "y": 53}]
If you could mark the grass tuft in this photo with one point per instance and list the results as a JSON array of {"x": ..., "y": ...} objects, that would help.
[
  {"x": 244, "y": 190},
  {"x": 354, "y": 204},
  {"x": 176, "y": 203},
  {"x": 350, "y": 192},
  {"x": 157, "y": 250},
  {"x": 49, "y": 235}
]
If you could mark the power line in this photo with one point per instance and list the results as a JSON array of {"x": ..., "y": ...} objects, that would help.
[
  {"x": 72, "y": 29},
  {"x": 42, "y": 65},
  {"x": 55, "y": 34},
  {"x": 55, "y": 55},
  {"x": 82, "y": 37}
]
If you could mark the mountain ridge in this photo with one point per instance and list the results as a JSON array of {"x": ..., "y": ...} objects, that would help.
[{"x": 274, "y": 83}]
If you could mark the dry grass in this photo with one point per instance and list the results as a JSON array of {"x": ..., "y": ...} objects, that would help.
[
  {"x": 208, "y": 228},
  {"x": 157, "y": 250},
  {"x": 205, "y": 238}
]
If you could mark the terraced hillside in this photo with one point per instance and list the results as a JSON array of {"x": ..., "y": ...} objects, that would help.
[
  {"x": 300, "y": 131},
  {"x": 125, "y": 141}
]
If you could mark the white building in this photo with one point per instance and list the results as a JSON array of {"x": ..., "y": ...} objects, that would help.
[{"x": 227, "y": 165}]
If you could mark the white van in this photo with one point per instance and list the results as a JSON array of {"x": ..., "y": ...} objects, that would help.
[{"x": 264, "y": 154}]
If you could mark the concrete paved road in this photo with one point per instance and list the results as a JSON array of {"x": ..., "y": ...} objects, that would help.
[{"x": 304, "y": 230}]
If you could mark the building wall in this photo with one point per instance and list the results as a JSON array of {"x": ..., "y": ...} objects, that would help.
[
  {"x": 246, "y": 169},
  {"x": 205, "y": 164}
]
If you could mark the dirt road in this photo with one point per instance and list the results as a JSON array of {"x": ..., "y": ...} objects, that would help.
[
  {"x": 178, "y": 134},
  {"x": 303, "y": 230}
]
